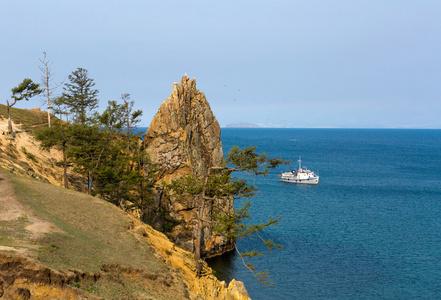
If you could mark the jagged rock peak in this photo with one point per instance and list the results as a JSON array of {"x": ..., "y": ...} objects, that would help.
[
  {"x": 185, "y": 121},
  {"x": 182, "y": 139}
]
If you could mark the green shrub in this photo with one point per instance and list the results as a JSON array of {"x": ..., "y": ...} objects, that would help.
[{"x": 29, "y": 155}]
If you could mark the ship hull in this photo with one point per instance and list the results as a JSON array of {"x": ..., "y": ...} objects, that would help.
[
  {"x": 300, "y": 176},
  {"x": 300, "y": 181}
]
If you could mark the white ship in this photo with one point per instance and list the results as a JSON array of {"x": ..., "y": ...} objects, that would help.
[{"x": 302, "y": 175}]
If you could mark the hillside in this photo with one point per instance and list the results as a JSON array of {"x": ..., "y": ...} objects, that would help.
[
  {"x": 83, "y": 246},
  {"x": 21, "y": 154},
  {"x": 62, "y": 244},
  {"x": 30, "y": 118}
]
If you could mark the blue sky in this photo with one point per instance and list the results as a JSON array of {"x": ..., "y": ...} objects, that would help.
[{"x": 348, "y": 64}]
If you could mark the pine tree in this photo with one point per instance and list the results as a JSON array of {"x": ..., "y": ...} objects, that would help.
[
  {"x": 131, "y": 119},
  {"x": 85, "y": 150},
  {"x": 114, "y": 180},
  {"x": 80, "y": 97},
  {"x": 99, "y": 152},
  {"x": 57, "y": 136},
  {"x": 58, "y": 106},
  {"x": 25, "y": 90}
]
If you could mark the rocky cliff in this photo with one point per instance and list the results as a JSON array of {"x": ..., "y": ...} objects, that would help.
[{"x": 184, "y": 139}]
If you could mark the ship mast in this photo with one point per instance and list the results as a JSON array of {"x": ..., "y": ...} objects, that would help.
[{"x": 300, "y": 163}]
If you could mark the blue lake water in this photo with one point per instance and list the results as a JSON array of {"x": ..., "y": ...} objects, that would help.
[{"x": 371, "y": 229}]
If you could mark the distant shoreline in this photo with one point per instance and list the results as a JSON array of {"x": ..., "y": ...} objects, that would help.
[{"x": 242, "y": 125}]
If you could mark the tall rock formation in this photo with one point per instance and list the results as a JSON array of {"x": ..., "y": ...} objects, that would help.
[{"x": 182, "y": 139}]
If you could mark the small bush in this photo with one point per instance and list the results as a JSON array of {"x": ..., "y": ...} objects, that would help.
[
  {"x": 29, "y": 155},
  {"x": 11, "y": 154}
]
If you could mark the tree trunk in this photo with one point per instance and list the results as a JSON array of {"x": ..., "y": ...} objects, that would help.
[
  {"x": 89, "y": 184},
  {"x": 48, "y": 91},
  {"x": 48, "y": 108},
  {"x": 45, "y": 80},
  {"x": 198, "y": 242},
  {"x": 66, "y": 183},
  {"x": 9, "y": 118}
]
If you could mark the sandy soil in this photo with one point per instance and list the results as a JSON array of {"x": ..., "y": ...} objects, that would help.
[{"x": 43, "y": 167}]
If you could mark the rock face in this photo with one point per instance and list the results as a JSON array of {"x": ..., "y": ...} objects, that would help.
[
  {"x": 207, "y": 286},
  {"x": 21, "y": 278},
  {"x": 183, "y": 139}
]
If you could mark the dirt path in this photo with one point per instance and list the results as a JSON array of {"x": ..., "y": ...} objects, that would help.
[
  {"x": 10, "y": 208},
  {"x": 19, "y": 226}
]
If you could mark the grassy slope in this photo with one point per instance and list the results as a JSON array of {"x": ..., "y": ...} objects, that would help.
[
  {"x": 21, "y": 153},
  {"x": 24, "y": 116},
  {"x": 94, "y": 233}
]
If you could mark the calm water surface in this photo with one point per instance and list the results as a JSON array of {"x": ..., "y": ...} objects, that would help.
[{"x": 370, "y": 230}]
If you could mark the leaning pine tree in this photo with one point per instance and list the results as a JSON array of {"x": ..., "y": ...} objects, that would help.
[
  {"x": 25, "y": 90},
  {"x": 218, "y": 184}
]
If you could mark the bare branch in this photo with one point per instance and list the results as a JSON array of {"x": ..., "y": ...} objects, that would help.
[{"x": 46, "y": 81}]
